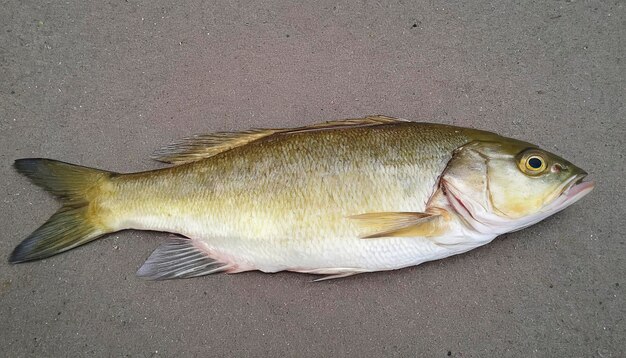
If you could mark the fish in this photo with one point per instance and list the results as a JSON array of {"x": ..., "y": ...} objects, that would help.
[{"x": 332, "y": 199}]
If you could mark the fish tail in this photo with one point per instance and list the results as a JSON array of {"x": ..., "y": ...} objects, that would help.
[{"x": 77, "y": 221}]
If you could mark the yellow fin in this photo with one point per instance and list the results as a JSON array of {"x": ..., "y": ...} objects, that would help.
[
  {"x": 400, "y": 224},
  {"x": 204, "y": 146},
  {"x": 77, "y": 222}
]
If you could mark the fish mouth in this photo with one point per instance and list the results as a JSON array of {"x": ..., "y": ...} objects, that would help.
[
  {"x": 573, "y": 190},
  {"x": 578, "y": 187}
]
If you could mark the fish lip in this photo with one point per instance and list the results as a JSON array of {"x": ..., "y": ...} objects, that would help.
[
  {"x": 577, "y": 185},
  {"x": 572, "y": 191}
]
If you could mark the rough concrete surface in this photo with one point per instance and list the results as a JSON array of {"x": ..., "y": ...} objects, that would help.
[{"x": 104, "y": 83}]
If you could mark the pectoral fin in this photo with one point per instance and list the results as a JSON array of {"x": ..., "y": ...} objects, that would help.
[{"x": 400, "y": 224}]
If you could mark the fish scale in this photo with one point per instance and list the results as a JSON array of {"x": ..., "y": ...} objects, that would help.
[{"x": 256, "y": 215}]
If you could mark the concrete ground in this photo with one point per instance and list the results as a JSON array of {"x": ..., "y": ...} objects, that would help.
[{"x": 104, "y": 83}]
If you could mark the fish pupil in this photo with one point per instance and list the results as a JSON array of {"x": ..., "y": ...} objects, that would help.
[{"x": 535, "y": 163}]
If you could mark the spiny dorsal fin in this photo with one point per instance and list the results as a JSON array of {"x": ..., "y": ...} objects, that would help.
[
  {"x": 204, "y": 146},
  {"x": 344, "y": 123},
  {"x": 399, "y": 224}
]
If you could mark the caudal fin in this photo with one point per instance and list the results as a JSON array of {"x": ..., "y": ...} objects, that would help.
[{"x": 72, "y": 225}]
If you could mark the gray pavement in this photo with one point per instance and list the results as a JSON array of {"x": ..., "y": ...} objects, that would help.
[{"x": 104, "y": 83}]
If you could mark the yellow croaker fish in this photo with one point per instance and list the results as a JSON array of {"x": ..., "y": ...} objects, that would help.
[{"x": 337, "y": 198}]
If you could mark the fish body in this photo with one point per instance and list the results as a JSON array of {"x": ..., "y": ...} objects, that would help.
[{"x": 338, "y": 198}]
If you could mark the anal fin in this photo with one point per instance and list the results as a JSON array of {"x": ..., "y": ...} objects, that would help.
[
  {"x": 336, "y": 276},
  {"x": 331, "y": 273},
  {"x": 179, "y": 258}
]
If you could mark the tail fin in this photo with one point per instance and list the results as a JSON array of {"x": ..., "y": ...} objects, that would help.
[{"x": 73, "y": 224}]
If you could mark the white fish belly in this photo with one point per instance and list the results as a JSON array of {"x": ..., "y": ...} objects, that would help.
[
  {"x": 326, "y": 255},
  {"x": 261, "y": 244}
]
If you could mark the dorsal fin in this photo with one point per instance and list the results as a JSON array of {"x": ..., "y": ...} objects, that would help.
[
  {"x": 368, "y": 121},
  {"x": 203, "y": 146}
]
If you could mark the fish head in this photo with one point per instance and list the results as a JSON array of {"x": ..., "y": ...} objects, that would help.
[{"x": 502, "y": 185}]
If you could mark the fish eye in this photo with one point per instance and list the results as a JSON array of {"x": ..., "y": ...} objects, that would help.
[{"x": 532, "y": 163}]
